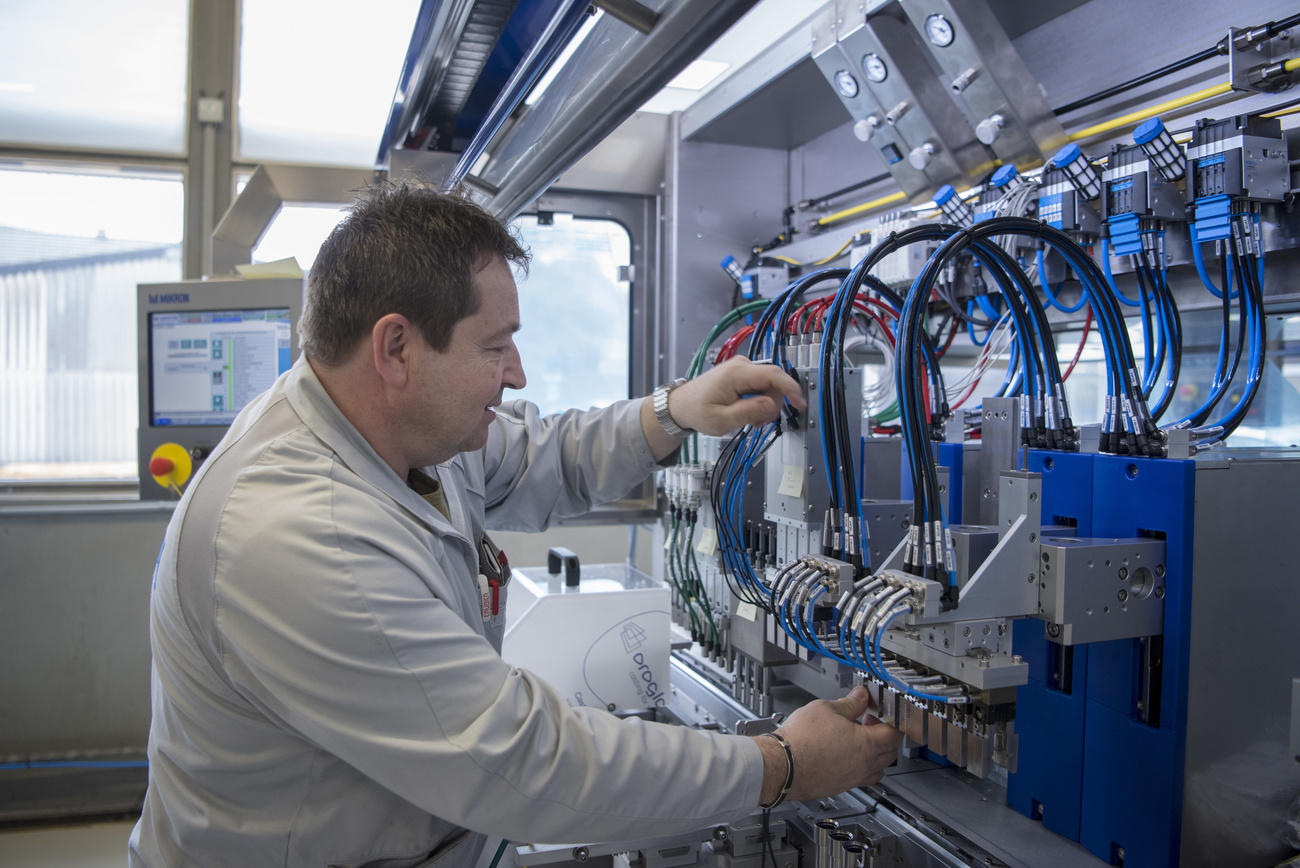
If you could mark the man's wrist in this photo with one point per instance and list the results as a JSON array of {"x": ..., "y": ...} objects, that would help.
[
  {"x": 660, "y": 399},
  {"x": 776, "y": 770}
]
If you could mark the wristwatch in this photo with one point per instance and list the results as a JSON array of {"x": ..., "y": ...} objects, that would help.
[{"x": 660, "y": 400}]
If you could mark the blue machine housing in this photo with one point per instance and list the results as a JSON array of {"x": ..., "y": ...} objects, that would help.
[{"x": 1093, "y": 767}]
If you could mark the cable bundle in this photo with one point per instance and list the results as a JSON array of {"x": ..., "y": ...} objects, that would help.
[{"x": 1246, "y": 269}]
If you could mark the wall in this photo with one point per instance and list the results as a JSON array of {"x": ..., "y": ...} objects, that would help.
[{"x": 74, "y": 635}]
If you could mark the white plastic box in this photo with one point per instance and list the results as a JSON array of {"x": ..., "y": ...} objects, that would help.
[{"x": 603, "y": 643}]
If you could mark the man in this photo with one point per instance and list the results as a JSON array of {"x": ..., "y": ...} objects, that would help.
[{"x": 326, "y": 688}]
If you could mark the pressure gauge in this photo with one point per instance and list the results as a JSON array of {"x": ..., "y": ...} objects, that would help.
[
  {"x": 846, "y": 84},
  {"x": 874, "y": 67},
  {"x": 939, "y": 30}
]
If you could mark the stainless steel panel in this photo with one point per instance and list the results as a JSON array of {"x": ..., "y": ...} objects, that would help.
[
  {"x": 613, "y": 72},
  {"x": 864, "y": 105},
  {"x": 1097, "y": 590},
  {"x": 712, "y": 208},
  {"x": 985, "y": 73},
  {"x": 74, "y": 632},
  {"x": 980, "y": 672},
  {"x": 1295, "y": 719},
  {"x": 269, "y": 187},
  {"x": 971, "y": 545},
  {"x": 916, "y": 102},
  {"x": 999, "y": 444},
  {"x": 1240, "y": 773}
]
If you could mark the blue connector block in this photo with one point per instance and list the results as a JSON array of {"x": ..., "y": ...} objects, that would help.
[
  {"x": 1050, "y": 715},
  {"x": 1213, "y": 218},
  {"x": 1125, "y": 234}
]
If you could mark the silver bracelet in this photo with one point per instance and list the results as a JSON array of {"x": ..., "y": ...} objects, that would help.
[{"x": 789, "y": 774}]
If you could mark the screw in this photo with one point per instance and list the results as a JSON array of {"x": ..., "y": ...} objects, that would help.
[
  {"x": 580, "y": 854},
  {"x": 966, "y": 631},
  {"x": 1160, "y": 571},
  {"x": 1123, "y": 595},
  {"x": 1160, "y": 592},
  {"x": 987, "y": 629},
  {"x": 720, "y": 833},
  {"x": 1053, "y": 630},
  {"x": 1123, "y": 573}
]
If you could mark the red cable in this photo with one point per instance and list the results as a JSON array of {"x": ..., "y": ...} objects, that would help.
[
  {"x": 731, "y": 344},
  {"x": 1087, "y": 325}
]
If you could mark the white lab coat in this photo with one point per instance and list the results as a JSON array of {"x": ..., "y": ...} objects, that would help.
[{"x": 325, "y": 690}]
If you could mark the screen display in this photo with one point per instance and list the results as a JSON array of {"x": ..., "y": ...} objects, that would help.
[{"x": 206, "y": 365}]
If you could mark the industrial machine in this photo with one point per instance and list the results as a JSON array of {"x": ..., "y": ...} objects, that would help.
[
  {"x": 1041, "y": 586},
  {"x": 206, "y": 348}
]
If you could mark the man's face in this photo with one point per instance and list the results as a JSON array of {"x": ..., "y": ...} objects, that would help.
[{"x": 457, "y": 388}]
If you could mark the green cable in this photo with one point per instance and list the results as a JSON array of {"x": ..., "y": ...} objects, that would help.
[
  {"x": 707, "y": 606},
  {"x": 674, "y": 568},
  {"x": 889, "y": 414},
  {"x": 697, "y": 362},
  {"x": 500, "y": 850}
]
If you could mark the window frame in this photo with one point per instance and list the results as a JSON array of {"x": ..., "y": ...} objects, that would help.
[{"x": 639, "y": 217}]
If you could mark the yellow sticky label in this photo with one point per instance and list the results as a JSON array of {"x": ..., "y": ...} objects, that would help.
[
  {"x": 791, "y": 481},
  {"x": 708, "y": 542},
  {"x": 748, "y": 611}
]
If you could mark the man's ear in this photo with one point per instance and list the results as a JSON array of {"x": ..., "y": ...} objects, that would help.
[{"x": 394, "y": 348}]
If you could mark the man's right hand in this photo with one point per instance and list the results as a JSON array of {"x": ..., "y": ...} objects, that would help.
[{"x": 832, "y": 751}]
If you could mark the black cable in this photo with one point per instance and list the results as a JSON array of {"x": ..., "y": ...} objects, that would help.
[
  {"x": 1169, "y": 69},
  {"x": 1219, "y": 49},
  {"x": 767, "y": 836},
  {"x": 1173, "y": 323},
  {"x": 1155, "y": 349},
  {"x": 827, "y": 198},
  {"x": 1249, "y": 281}
]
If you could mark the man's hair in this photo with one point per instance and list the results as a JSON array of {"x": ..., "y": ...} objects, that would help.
[{"x": 404, "y": 248}]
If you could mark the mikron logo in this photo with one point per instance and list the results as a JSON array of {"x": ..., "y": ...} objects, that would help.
[{"x": 169, "y": 298}]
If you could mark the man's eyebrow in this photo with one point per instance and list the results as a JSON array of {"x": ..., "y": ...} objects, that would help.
[{"x": 505, "y": 331}]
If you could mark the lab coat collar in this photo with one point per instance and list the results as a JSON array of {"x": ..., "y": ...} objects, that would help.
[{"x": 307, "y": 396}]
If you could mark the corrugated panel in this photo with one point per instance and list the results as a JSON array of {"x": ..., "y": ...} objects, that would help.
[
  {"x": 486, "y": 21},
  {"x": 68, "y": 346}
]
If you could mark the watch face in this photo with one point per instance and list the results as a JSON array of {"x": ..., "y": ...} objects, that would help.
[
  {"x": 939, "y": 30},
  {"x": 874, "y": 67},
  {"x": 846, "y": 84}
]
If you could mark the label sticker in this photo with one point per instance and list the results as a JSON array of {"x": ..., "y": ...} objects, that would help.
[
  {"x": 792, "y": 481},
  {"x": 708, "y": 542},
  {"x": 748, "y": 611}
]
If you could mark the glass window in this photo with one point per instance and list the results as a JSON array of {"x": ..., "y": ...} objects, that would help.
[
  {"x": 575, "y": 313},
  {"x": 316, "y": 83},
  {"x": 73, "y": 246},
  {"x": 92, "y": 75},
  {"x": 297, "y": 231}
]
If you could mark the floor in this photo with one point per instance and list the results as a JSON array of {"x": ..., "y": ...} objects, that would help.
[{"x": 100, "y": 845}]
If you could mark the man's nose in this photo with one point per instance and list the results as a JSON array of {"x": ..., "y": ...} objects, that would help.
[{"x": 514, "y": 377}]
